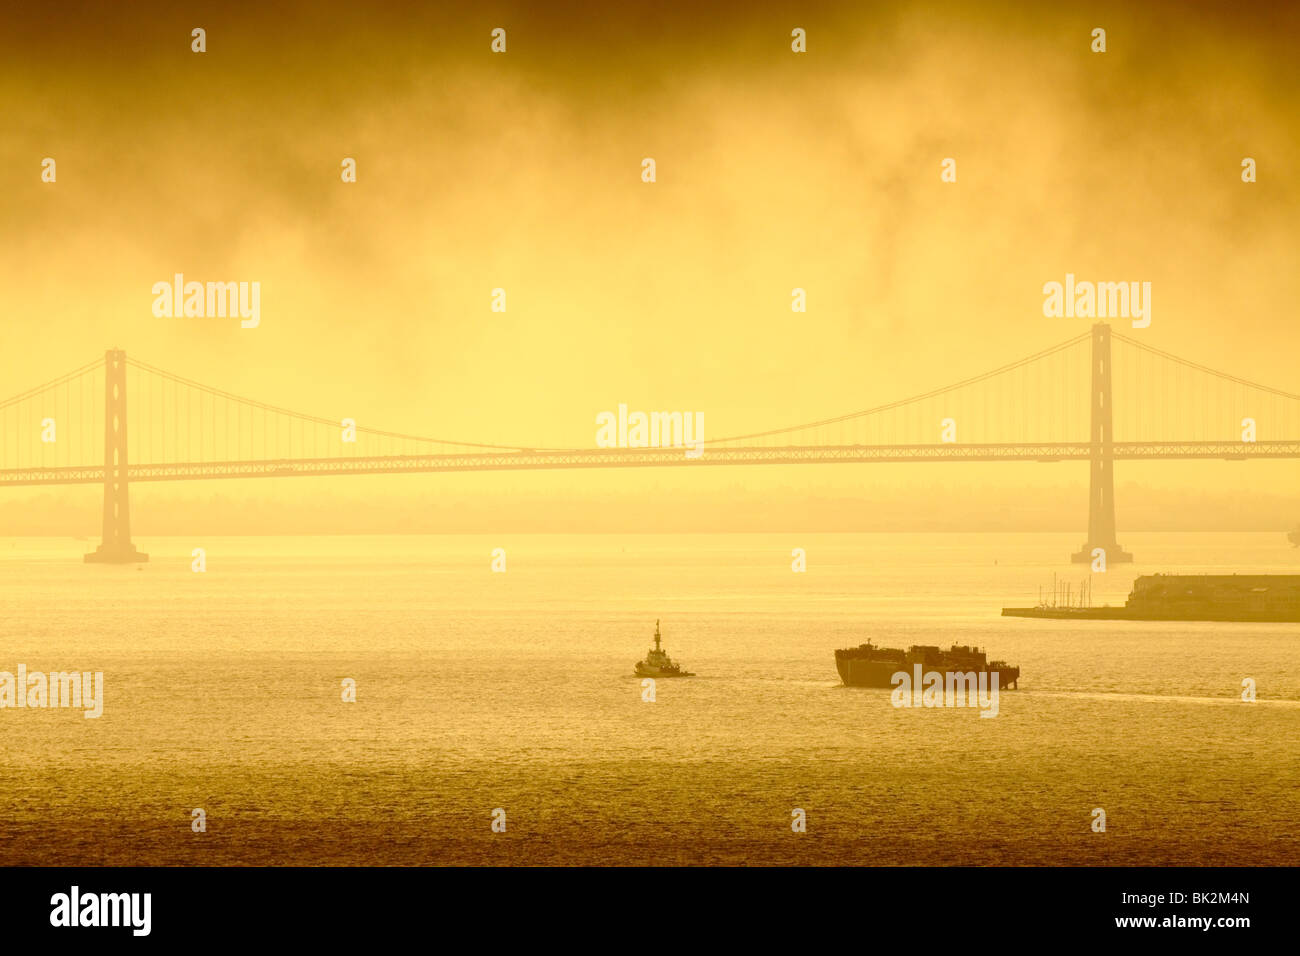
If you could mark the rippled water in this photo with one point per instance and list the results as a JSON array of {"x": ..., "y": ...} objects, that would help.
[{"x": 478, "y": 690}]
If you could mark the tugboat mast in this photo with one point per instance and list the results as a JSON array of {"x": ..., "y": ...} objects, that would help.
[{"x": 656, "y": 634}]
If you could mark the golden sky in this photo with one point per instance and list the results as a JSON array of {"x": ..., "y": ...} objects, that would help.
[{"x": 522, "y": 171}]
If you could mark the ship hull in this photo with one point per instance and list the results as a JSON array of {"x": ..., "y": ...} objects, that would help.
[
  {"x": 647, "y": 670},
  {"x": 860, "y": 672}
]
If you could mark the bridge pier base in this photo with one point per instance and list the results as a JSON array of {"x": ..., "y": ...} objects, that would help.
[
  {"x": 116, "y": 555},
  {"x": 116, "y": 547}
]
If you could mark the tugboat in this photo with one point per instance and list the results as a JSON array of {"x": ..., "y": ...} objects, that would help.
[
  {"x": 869, "y": 666},
  {"x": 657, "y": 663},
  {"x": 1294, "y": 537}
]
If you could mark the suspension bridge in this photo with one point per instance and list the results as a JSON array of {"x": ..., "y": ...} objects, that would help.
[{"x": 1099, "y": 397}]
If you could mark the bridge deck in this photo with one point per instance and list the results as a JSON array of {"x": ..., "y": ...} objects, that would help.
[{"x": 650, "y": 458}]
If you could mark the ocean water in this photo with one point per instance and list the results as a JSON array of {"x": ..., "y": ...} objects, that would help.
[{"x": 480, "y": 690}]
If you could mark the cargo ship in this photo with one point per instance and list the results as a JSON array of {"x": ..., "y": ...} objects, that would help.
[
  {"x": 869, "y": 666},
  {"x": 657, "y": 663},
  {"x": 1272, "y": 598}
]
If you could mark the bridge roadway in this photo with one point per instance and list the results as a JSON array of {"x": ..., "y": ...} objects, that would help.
[{"x": 531, "y": 460}]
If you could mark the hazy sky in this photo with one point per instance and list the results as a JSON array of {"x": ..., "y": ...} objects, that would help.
[{"x": 522, "y": 171}]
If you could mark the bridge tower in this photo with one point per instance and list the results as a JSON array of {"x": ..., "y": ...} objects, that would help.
[
  {"x": 1101, "y": 472},
  {"x": 116, "y": 547}
]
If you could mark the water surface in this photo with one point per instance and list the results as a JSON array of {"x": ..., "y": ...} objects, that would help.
[{"x": 478, "y": 690}]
